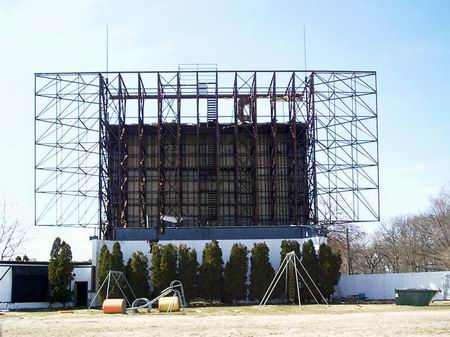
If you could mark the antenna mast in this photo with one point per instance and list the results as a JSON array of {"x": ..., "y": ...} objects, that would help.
[
  {"x": 304, "y": 44},
  {"x": 107, "y": 49}
]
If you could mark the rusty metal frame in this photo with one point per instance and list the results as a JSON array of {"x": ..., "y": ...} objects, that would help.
[{"x": 81, "y": 146}]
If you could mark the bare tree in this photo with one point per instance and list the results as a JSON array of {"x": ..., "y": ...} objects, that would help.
[
  {"x": 368, "y": 257},
  {"x": 437, "y": 228},
  {"x": 413, "y": 243},
  {"x": 12, "y": 235},
  {"x": 337, "y": 239},
  {"x": 364, "y": 249}
]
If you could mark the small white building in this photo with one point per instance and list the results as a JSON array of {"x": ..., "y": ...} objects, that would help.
[{"x": 24, "y": 285}]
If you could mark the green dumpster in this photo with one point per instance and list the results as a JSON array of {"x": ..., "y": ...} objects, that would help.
[{"x": 416, "y": 297}]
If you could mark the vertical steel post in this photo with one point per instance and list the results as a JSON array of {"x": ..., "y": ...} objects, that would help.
[
  {"x": 100, "y": 152},
  {"x": 217, "y": 146},
  {"x": 313, "y": 139},
  {"x": 35, "y": 153},
  {"x": 253, "y": 112},
  {"x": 199, "y": 208},
  {"x": 142, "y": 154},
  {"x": 293, "y": 153},
  {"x": 378, "y": 151},
  {"x": 161, "y": 209},
  {"x": 104, "y": 165},
  {"x": 273, "y": 151},
  {"x": 123, "y": 155},
  {"x": 178, "y": 184},
  {"x": 237, "y": 205}
]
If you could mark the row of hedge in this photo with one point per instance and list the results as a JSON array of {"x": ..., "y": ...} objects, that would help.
[
  {"x": 211, "y": 280},
  {"x": 136, "y": 271}
]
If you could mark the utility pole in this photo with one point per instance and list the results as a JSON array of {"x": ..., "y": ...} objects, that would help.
[{"x": 349, "y": 257}]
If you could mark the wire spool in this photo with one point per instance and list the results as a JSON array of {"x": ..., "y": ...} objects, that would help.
[
  {"x": 169, "y": 303},
  {"x": 114, "y": 306}
]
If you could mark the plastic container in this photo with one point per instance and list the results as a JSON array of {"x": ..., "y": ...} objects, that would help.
[{"x": 416, "y": 297}]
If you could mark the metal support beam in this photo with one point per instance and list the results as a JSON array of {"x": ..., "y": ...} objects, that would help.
[
  {"x": 198, "y": 152},
  {"x": 236, "y": 172},
  {"x": 273, "y": 150},
  {"x": 293, "y": 153},
  {"x": 142, "y": 182},
  {"x": 311, "y": 153},
  {"x": 105, "y": 184},
  {"x": 254, "y": 150},
  {"x": 161, "y": 177},
  {"x": 178, "y": 152},
  {"x": 217, "y": 152},
  {"x": 123, "y": 154}
]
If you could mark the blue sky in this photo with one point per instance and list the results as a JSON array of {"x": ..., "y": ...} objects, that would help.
[{"x": 406, "y": 42}]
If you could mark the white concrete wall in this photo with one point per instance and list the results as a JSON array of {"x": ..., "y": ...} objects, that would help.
[
  {"x": 128, "y": 247},
  {"x": 382, "y": 286},
  {"x": 5, "y": 284},
  {"x": 82, "y": 274}
]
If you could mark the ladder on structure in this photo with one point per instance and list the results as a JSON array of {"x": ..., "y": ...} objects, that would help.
[
  {"x": 204, "y": 77},
  {"x": 212, "y": 208},
  {"x": 211, "y": 108},
  {"x": 206, "y": 84},
  {"x": 211, "y": 189}
]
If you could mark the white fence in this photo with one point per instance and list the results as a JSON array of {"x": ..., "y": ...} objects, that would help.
[{"x": 382, "y": 286}]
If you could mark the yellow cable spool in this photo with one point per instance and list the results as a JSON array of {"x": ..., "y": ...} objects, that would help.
[{"x": 169, "y": 303}]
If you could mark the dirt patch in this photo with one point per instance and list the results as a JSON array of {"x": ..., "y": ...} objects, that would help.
[{"x": 312, "y": 320}]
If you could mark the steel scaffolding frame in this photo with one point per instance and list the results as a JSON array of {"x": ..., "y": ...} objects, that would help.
[{"x": 82, "y": 175}]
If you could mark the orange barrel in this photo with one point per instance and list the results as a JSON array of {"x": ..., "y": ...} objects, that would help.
[{"x": 114, "y": 306}]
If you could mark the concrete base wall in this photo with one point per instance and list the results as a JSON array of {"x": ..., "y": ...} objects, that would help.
[{"x": 128, "y": 247}]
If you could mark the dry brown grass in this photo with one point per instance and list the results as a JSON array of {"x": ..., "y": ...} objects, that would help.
[{"x": 312, "y": 320}]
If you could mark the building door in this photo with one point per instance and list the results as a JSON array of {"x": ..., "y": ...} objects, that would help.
[{"x": 81, "y": 294}]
